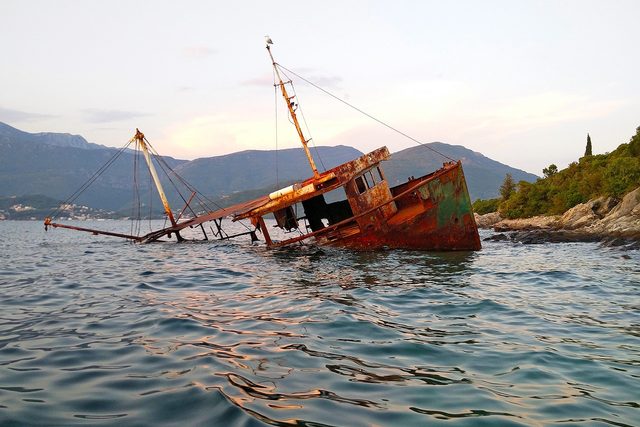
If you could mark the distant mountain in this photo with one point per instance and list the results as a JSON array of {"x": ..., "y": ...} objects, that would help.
[
  {"x": 10, "y": 135},
  {"x": 56, "y": 165},
  {"x": 254, "y": 169},
  {"x": 484, "y": 175}
]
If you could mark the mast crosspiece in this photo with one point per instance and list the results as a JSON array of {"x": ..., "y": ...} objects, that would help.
[{"x": 292, "y": 112}]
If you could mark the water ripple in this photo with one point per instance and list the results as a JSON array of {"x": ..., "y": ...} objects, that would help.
[{"x": 96, "y": 331}]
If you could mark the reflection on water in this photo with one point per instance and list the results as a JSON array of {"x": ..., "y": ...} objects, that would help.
[{"x": 96, "y": 331}]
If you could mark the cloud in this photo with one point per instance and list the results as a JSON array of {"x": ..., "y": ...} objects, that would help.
[
  {"x": 524, "y": 114},
  {"x": 93, "y": 115},
  {"x": 198, "y": 52},
  {"x": 13, "y": 116},
  {"x": 324, "y": 81},
  {"x": 316, "y": 77},
  {"x": 264, "y": 80},
  {"x": 455, "y": 111},
  {"x": 215, "y": 134}
]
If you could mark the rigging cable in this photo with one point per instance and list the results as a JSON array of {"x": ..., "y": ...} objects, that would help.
[
  {"x": 155, "y": 156},
  {"x": 139, "y": 208},
  {"x": 275, "y": 98},
  {"x": 90, "y": 181},
  {"x": 365, "y": 113},
  {"x": 166, "y": 168},
  {"x": 200, "y": 197},
  {"x": 150, "y": 192},
  {"x": 135, "y": 203}
]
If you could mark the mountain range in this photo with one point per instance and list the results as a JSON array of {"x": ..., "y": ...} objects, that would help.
[{"x": 57, "y": 164}]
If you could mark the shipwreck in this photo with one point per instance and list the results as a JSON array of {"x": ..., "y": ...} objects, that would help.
[{"x": 432, "y": 212}]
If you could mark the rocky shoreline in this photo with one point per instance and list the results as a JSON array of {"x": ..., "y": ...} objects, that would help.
[{"x": 607, "y": 220}]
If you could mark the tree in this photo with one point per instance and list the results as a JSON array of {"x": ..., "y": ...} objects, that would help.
[
  {"x": 482, "y": 207},
  {"x": 587, "y": 151},
  {"x": 634, "y": 144},
  {"x": 508, "y": 187},
  {"x": 550, "y": 171}
]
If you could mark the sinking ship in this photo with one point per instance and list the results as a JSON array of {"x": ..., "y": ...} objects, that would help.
[{"x": 432, "y": 212}]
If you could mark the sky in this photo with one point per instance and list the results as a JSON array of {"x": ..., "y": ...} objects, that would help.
[{"x": 521, "y": 82}]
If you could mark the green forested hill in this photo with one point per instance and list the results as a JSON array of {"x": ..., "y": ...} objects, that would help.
[
  {"x": 613, "y": 175},
  {"x": 225, "y": 175}
]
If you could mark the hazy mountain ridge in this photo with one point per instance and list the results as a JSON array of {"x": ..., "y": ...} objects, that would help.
[
  {"x": 484, "y": 175},
  {"x": 10, "y": 134},
  {"x": 56, "y": 165},
  {"x": 256, "y": 169}
]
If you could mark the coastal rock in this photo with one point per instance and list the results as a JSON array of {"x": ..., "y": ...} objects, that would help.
[
  {"x": 629, "y": 206},
  {"x": 541, "y": 222},
  {"x": 586, "y": 214},
  {"x": 533, "y": 237},
  {"x": 487, "y": 220},
  {"x": 500, "y": 237},
  {"x": 610, "y": 221},
  {"x": 623, "y": 220}
]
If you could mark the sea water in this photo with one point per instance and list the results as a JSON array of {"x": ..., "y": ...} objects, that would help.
[{"x": 98, "y": 331}]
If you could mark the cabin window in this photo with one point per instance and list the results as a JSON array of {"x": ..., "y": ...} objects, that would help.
[
  {"x": 369, "y": 179},
  {"x": 379, "y": 174}
]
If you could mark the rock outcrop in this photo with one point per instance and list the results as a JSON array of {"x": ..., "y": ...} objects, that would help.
[
  {"x": 541, "y": 222},
  {"x": 487, "y": 220},
  {"x": 621, "y": 221},
  {"x": 603, "y": 219},
  {"x": 587, "y": 214}
]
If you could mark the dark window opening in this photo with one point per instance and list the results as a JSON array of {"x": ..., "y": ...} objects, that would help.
[
  {"x": 286, "y": 218},
  {"x": 362, "y": 187},
  {"x": 317, "y": 209}
]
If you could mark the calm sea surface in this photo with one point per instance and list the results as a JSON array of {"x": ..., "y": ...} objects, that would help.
[{"x": 97, "y": 331}]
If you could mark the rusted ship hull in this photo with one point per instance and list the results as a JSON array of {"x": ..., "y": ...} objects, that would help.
[{"x": 434, "y": 213}]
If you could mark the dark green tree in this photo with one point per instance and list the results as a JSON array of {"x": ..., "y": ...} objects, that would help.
[
  {"x": 634, "y": 144},
  {"x": 550, "y": 171},
  {"x": 482, "y": 207},
  {"x": 587, "y": 151},
  {"x": 508, "y": 187}
]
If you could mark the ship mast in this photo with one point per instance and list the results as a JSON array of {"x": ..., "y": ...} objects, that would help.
[
  {"x": 139, "y": 137},
  {"x": 292, "y": 111}
]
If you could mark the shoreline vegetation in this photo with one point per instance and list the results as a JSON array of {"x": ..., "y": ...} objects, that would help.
[
  {"x": 605, "y": 220},
  {"x": 596, "y": 199}
]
